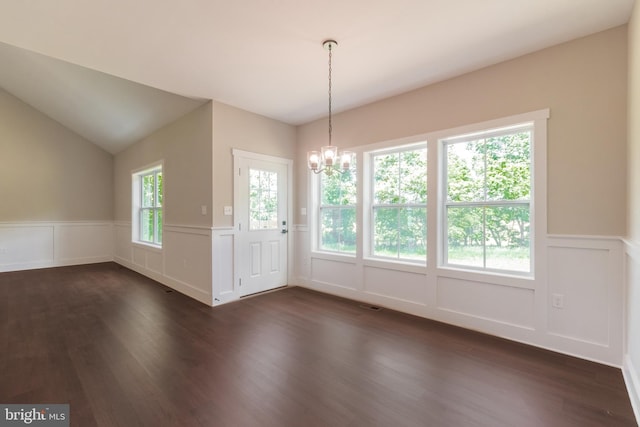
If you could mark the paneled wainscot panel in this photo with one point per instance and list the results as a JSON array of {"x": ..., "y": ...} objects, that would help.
[
  {"x": 224, "y": 262},
  {"x": 188, "y": 257},
  {"x": 83, "y": 241},
  {"x": 580, "y": 278},
  {"x": 395, "y": 284},
  {"x": 37, "y": 245},
  {"x": 23, "y": 246},
  {"x": 504, "y": 304},
  {"x": 123, "y": 242},
  {"x": 335, "y": 273},
  {"x": 301, "y": 258}
]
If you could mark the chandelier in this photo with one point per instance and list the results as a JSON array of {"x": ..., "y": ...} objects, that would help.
[{"x": 329, "y": 159}]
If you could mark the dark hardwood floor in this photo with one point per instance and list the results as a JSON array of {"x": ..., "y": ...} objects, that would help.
[{"x": 123, "y": 351}]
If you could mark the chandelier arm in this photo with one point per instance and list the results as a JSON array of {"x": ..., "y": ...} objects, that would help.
[{"x": 329, "y": 170}]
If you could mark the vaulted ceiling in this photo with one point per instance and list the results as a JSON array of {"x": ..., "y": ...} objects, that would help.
[{"x": 116, "y": 70}]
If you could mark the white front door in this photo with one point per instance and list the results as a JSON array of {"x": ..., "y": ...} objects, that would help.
[{"x": 262, "y": 221}]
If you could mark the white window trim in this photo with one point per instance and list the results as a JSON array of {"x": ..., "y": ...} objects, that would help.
[
  {"x": 368, "y": 186},
  {"x": 314, "y": 215},
  {"x": 136, "y": 177},
  {"x": 538, "y": 194}
]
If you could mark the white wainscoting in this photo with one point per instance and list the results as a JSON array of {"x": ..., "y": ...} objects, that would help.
[
  {"x": 301, "y": 260},
  {"x": 29, "y": 245},
  {"x": 587, "y": 272},
  {"x": 183, "y": 263},
  {"x": 631, "y": 367},
  {"x": 225, "y": 264},
  {"x": 485, "y": 301}
]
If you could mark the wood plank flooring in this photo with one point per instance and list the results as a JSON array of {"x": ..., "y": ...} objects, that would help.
[{"x": 124, "y": 351}]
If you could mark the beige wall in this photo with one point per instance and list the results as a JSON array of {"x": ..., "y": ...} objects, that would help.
[
  {"x": 634, "y": 126},
  {"x": 633, "y": 267},
  {"x": 583, "y": 82},
  {"x": 235, "y": 128},
  {"x": 185, "y": 147},
  {"x": 47, "y": 172}
]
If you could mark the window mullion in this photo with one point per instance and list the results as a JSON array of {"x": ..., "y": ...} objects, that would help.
[
  {"x": 484, "y": 237},
  {"x": 398, "y": 227},
  {"x": 484, "y": 144},
  {"x": 488, "y": 203}
]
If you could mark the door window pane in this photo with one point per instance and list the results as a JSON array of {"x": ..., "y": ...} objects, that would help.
[{"x": 263, "y": 200}]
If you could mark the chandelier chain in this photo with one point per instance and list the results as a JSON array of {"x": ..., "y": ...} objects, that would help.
[{"x": 330, "y": 124}]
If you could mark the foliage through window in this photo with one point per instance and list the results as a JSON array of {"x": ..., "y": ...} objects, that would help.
[
  {"x": 263, "y": 200},
  {"x": 399, "y": 208},
  {"x": 487, "y": 210},
  {"x": 149, "y": 192},
  {"x": 337, "y": 212}
]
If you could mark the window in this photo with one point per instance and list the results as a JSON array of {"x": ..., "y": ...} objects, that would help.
[
  {"x": 478, "y": 206},
  {"x": 337, "y": 212},
  {"x": 399, "y": 204},
  {"x": 263, "y": 200},
  {"x": 147, "y": 206},
  {"x": 488, "y": 200}
]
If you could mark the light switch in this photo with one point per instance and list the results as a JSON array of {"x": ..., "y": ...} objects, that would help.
[
  {"x": 228, "y": 210},
  {"x": 303, "y": 211},
  {"x": 203, "y": 209}
]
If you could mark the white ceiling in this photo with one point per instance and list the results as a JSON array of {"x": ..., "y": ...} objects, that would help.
[{"x": 265, "y": 56}]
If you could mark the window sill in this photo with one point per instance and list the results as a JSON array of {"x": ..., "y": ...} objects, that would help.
[
  {"x": 525, "y": 281},
  {"x": 145, "y": 245},
  {"x": 399, "y": 265},
  {"x": 334, "y": 256}
]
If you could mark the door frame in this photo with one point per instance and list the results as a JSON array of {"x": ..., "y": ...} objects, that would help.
[{"x": 237, "y": 194}]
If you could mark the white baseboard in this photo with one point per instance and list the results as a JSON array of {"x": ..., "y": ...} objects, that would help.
[
  {"x": 54, "y": 263},
  {"x": 183, "y": 288},
  {"x": 183, "y": 263},
  {"x": 632, "y": 382}
]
